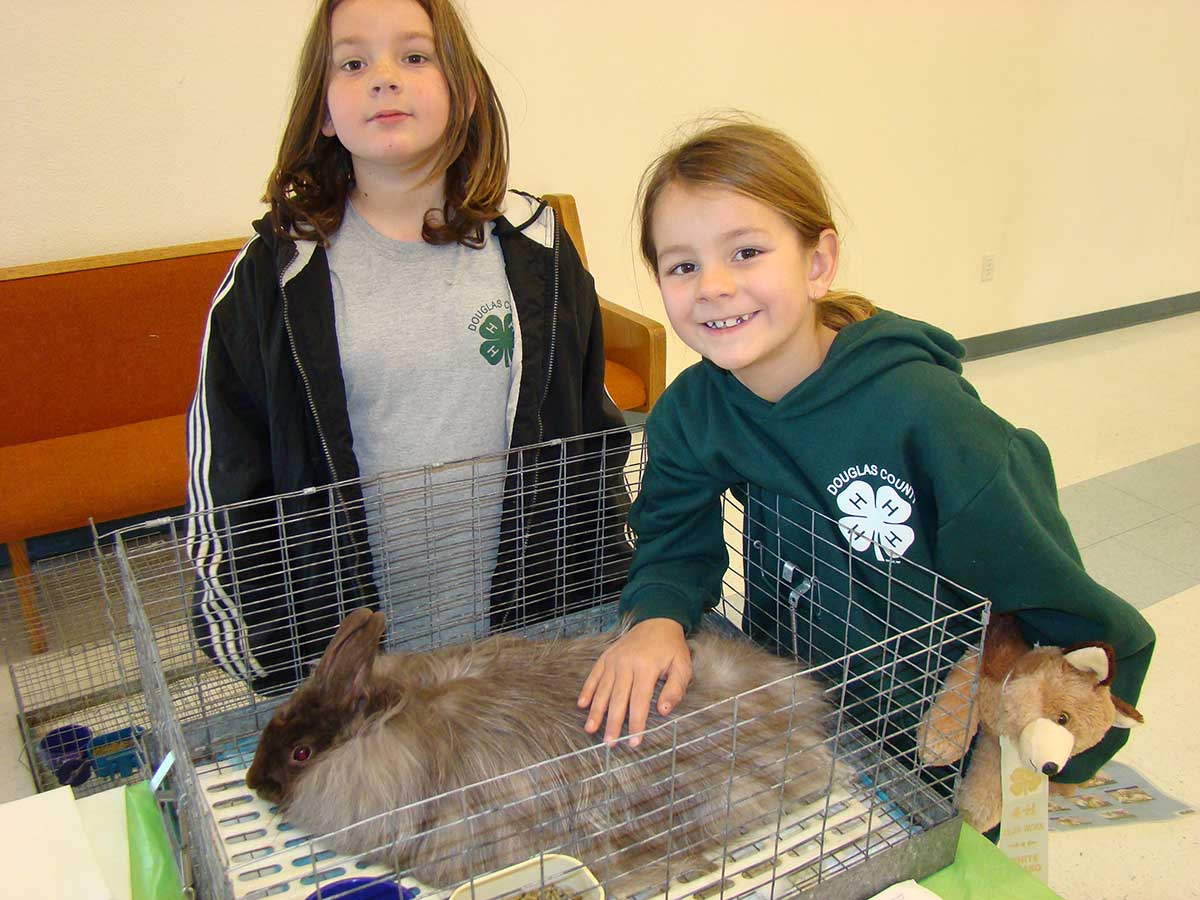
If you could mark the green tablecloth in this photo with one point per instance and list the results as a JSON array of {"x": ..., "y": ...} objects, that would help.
[{"x": 981, "y": 872}]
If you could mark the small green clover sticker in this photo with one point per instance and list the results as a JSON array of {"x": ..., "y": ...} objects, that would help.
[{"x": 498, "y": 340}]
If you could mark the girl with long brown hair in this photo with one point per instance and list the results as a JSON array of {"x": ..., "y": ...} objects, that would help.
[{"x": 397, "y": 307}]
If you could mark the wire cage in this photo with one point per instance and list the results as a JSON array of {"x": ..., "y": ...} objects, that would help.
[
  {"x": 810, "y": 783},
  {"x": 70, "y": 656}
]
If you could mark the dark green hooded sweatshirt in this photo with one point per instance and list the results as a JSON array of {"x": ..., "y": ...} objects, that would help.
[{"x": 877, "y": 471}]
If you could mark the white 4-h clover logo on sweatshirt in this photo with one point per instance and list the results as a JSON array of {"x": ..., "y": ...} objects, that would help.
[{"x": 875, "y": 519}]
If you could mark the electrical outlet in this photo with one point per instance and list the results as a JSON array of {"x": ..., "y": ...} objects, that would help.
[{"x": 988, "y": 269}]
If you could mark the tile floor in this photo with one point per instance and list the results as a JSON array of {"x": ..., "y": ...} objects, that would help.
[
  {"x": 1121, "y": 416},
  {"x": 1138, "y": 528}
]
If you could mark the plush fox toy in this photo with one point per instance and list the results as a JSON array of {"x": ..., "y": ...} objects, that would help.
[{"x": 1050, "y": 702}]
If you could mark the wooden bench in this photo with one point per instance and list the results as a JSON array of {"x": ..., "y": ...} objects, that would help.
[
  {"x": 635, "y": 346},
  {"x": 98, "y": 362}
]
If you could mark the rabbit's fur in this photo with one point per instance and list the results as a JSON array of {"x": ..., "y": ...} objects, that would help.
[{"x": 462, "y": 760}]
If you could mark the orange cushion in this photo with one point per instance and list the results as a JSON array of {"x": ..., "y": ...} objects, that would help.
[
  {"x": 97, "y": 348},
  {"x": 56, "y": 484},
  {"x": 624, "y": 386}
]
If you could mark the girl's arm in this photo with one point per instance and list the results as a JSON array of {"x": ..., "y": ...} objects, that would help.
[
  {"x": 676, "y": 575},
  {"x": 228, "y": 461},
  {"x": 1012, "y": 544},
  {"x": 228, "y": 445}
]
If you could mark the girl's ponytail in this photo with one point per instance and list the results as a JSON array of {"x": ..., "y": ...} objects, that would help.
[{"x": 837, "y": 309}]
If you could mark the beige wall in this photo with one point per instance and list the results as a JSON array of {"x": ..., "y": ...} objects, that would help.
[{"x": 1060, "y": 136}]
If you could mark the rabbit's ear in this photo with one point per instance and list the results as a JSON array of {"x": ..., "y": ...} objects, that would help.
[{"x": 341, "y": 675}]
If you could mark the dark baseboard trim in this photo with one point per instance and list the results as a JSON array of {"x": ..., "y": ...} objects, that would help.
[{"x": 1079, "y": 326}]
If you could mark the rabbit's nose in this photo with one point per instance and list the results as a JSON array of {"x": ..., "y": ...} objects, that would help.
[{"x": 266, "y": 788}]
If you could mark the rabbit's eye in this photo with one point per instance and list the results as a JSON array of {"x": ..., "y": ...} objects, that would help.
[{"x": 301, "y": 754}]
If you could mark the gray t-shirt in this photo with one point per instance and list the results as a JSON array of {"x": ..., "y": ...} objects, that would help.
[{"x": 430, "y": 351}]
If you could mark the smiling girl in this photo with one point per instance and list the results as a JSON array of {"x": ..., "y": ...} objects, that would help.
[
  {"x": 808, "y": 398},
  {"x": 395, "y": 308}
]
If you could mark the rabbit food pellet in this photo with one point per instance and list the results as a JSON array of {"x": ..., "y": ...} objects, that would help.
[{"x": 550, "y": 892}]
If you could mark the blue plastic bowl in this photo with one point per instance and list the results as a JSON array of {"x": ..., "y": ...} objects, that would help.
[
  {"x": 364, "y": 889},
  {"x": 65, "y": 751}
]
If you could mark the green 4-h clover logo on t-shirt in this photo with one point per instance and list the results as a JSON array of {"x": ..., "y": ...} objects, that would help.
[{"x": 498, "y": 340}]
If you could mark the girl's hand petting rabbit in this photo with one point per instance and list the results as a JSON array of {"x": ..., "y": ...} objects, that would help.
[{"x": 626, "y": 674}]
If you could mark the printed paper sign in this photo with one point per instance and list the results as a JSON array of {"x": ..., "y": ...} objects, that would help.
[{"x": 1024, "y": 826}]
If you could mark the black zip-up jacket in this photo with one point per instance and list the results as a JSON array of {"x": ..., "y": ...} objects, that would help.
[{"x": 277, "y": 573}]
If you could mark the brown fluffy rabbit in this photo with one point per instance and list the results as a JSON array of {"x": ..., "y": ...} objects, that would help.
[{"x": 459, "y": 761}]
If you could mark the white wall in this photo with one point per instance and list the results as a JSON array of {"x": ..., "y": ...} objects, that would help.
[{"x": 1060, "y": 136}]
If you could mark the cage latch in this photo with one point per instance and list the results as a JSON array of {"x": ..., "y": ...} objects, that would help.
[{"x": 800, "y": 590}]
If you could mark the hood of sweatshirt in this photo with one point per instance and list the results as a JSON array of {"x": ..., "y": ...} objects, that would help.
[{"x": 861, "y": 353}]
